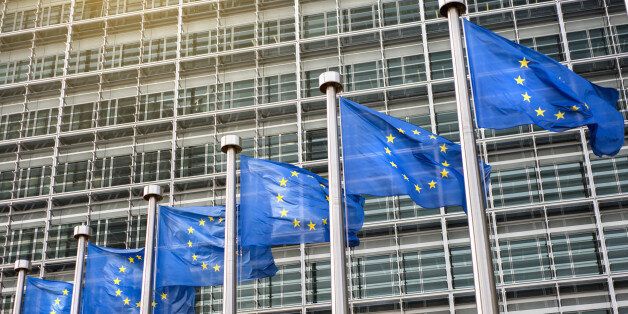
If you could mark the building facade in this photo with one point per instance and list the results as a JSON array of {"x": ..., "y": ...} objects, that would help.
[{"x": 99, "y": 98}]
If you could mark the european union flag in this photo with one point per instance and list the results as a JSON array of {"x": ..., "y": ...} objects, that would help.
[
  {"x": 385, "y": 156},
  {"x": 514, "y": 85},
  {"x": 190, "y": 249},
  {"x": 284, "y": 204},
  {"x": 47, "y": 296},
  {"x": 113, "y": 284}
]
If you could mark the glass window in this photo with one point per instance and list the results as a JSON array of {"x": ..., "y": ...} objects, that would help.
[
  {"x": 461, "y": 267},
  {"x": 564, "y": 181},
  {"x": 61, "y": 241},
  {"x": 617, "y": 248},
  {"x": 576, "y": 254},
  {"x": 318, "y": 282},
  {"x": 283, "y": 289},
  {"x": 441, "y": 65},
  {"x": 525, "y": 259},
  {"x": 375, "y": 275},
  {"x": 424, "y": 271}
]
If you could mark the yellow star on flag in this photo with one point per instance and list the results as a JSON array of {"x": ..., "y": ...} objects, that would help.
[
  {"x": 390, "y": 139},
  {"x": 526, "y": 97},
  {"x": 190, "y": 230},
  {"x": 444, "y": 173},
  {"x": 540, "y": 112},
  {"x": 392, "y": 163},
  {"x": 284, "y": 213},
  {"x": 575, "y": 108},
  {"x": 432, "y": 184},
  {"x": 53, "y": 312},
  {"x": 443, "y": 148},
  {"x": 131, "y": 260},
  {"x": 283, "y": 182},
  {"x": 432, "y": 136},
  {"x": 324, "y": 221},
  {"x": 220, "y": 220},
  {"x": 153, "y": 304},
  {"x": 194, "y": 257},
  {"x": 122, "y": 269},
  {"x": 401, "y": 131},
  {"x": 405, "y": 177},
  {"x": 164, "y": 296},
  {"x": 139, "y": 257},
  {"x": 118, "y": 293},
  {"x": 204, "y": 265},
  {"x": 57, "y": 301},
  {"x": 216, "y": 267},
  {"x": 523, "y": 63},
  {"x": 190, "y": 243},
  {"x": 416, "y": 132},
  {"x": 127, "y": 301},
  {"x": 201, "y": 222},
  {"x": 294, "y": 174},
  {"x": 138, "y": 304},
  {"x": 519, "y": 80},
  {"x": 387, "y": 150},
  {"x": 279, "y": 198},
  {"x": 445, "y": 163},
  {"x": 116, "y": 281},
  {"x": 327, "y": 198},
  {"x": 65, "y": 291},
  {"x": 560, "y": 115},
  {"x": 210, "y": 218},
  {"x": 417, "y": 188},
  {"x": 312, "y": 225},
  {"x": 586, "y": 106},
  {"x": 296, "y": 223}
]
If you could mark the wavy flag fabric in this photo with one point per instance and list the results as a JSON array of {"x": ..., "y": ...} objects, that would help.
[
  {"x": 113, "y": 284},
  {"x": 515, "y": 85},
  {"x": 386, "y": 156},
  {"x": 283, "y": 204},
  {"x": 47, "y": 296},
  {"x": 190, "y": 249}
]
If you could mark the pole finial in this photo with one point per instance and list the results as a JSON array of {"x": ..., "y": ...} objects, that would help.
[
  {"x": 230, "y": 141},
  {"x": 81, "y": 231},
  {"x": 329, "y": 78},
  {"x": 152, "y": 190},
  {"x": 22, "y": 264},
  {"x": 444, "y": 6}
]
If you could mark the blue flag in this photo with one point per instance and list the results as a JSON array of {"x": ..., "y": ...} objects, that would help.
[
  {"x": 514, "y": 85},
  {"x": 47, "y": 296},
  {"x": 113, "y": 284},
  {"x": 284, "y": 204},
  {"x": 190, "y": 249},
  {"x": 385, "y": 156}
]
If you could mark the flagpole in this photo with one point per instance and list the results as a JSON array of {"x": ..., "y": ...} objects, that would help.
[
  {"x": 81, "y": 233},
  {"x": 21, "y": 266},
  {"x": 329, "y": 84},
  {"x": 485, "y": 292},
  {"x": 152, "y": 194},
  {"x": 230, "y": 145}
]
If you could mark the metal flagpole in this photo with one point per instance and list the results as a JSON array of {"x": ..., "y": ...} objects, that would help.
[
  {"x": 485, "y": 292},
  {"x": 230, "y": 145},
  {"x": 81, "y": 233},
  {"x": 329, "y": 83},
  {"x": 152, "y": 194},
  {"x": 21, "y": 266}
]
